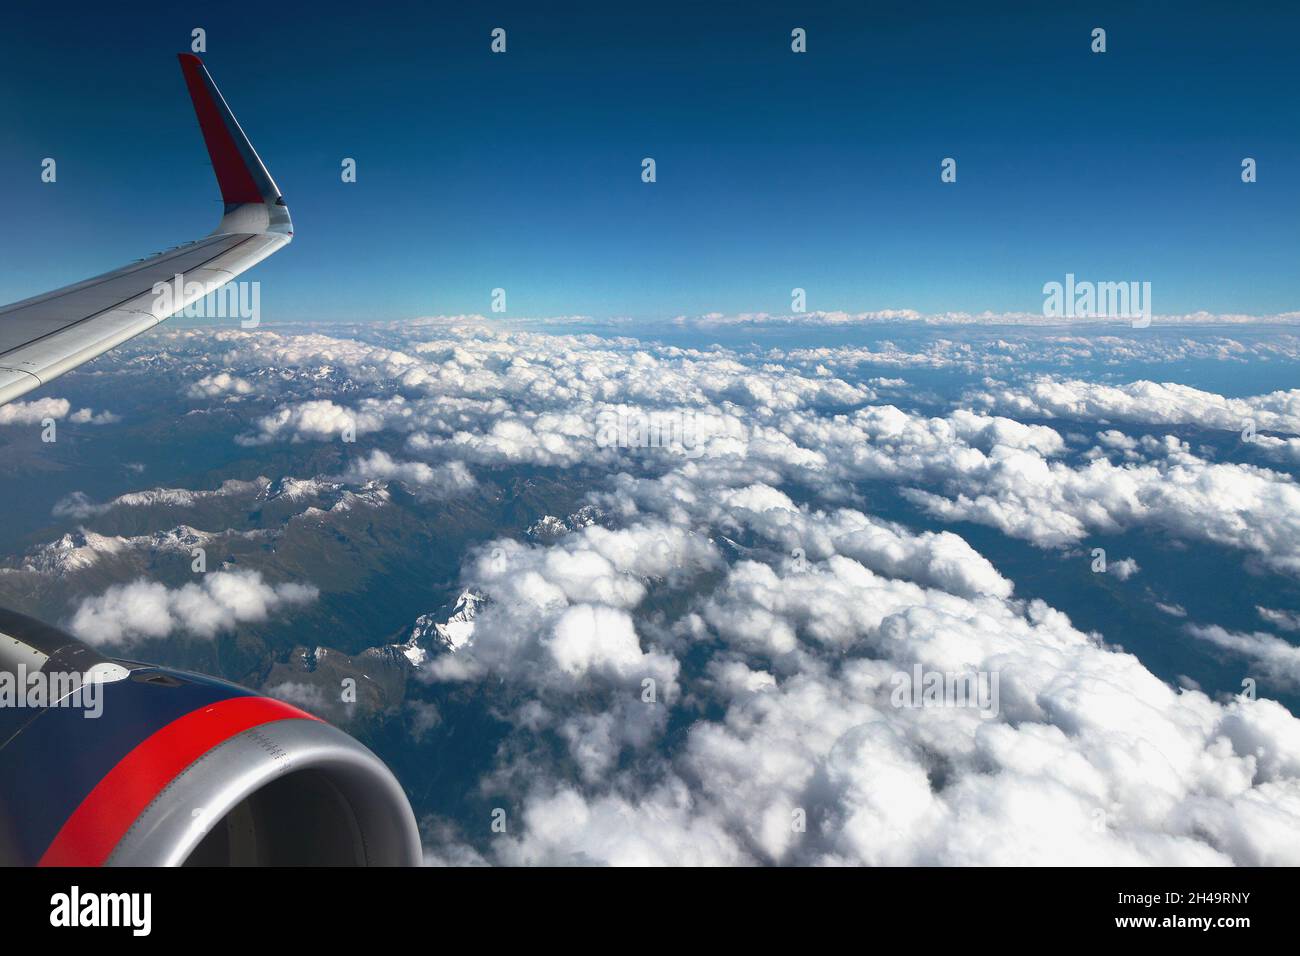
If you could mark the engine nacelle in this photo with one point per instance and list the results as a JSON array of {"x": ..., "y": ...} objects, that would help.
[{"x": 117, "y": 763}]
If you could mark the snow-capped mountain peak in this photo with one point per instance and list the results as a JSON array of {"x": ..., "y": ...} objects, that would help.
[{"x": 443, "y": 630}]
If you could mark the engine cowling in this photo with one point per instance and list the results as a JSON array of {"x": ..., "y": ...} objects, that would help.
[{"x": 148, "y": 766}]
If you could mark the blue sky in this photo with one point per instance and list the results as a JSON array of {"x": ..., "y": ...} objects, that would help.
[{"x": 775, "y": 170}]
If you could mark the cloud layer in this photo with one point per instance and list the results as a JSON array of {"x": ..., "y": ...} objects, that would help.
[
  {"x": 129, "y": 613},
  {"x": 709, "y": 673}
]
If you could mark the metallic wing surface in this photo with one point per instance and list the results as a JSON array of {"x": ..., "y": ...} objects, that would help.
[{"x": 49, "y": 334}]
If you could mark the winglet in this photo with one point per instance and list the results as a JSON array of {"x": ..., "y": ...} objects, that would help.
[{"x": 242, "y": 176}]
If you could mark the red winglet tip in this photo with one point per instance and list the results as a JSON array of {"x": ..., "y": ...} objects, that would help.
[{"x": 233, "y": 175}]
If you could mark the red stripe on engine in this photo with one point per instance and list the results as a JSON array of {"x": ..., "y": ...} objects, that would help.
[{"x": 103, "y": 818}]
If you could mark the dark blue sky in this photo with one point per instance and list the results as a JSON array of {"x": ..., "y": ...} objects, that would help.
[{"x": 775, "y": 170}]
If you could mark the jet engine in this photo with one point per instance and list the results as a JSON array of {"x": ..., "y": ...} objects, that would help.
[{"x": 117, "y": 763}]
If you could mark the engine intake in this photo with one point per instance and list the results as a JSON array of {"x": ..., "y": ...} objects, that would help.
[{"x": 172, "y": 768}]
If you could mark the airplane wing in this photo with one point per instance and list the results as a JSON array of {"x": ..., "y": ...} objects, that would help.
[{"x": 47, "y": 335}]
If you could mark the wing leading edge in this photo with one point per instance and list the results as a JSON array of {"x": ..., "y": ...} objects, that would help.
[{"x": 47, "y": 335}]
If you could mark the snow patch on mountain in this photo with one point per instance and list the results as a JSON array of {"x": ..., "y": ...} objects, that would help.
[
  {"x": 82, "y": 549},
  {"x": 295, "y": 489},
  {"x": 78, "y": 504},
  {"x": 548, "y": 527},
  {"x": 443, "y": 630}
]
